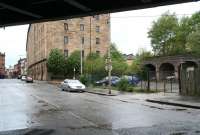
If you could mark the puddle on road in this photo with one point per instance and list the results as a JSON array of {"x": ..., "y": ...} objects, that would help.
[
  {"x": 46, "y": 111},
  {"x": 179, "y": 109},
  {"x": 179, "y": 133}
]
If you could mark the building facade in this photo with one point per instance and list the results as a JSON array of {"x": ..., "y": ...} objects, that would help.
[
  {"x": 21, "y": 67},
  {"x": 2, "y": 65},
  {"x": 10, "y": 72},
  {"x": 129, "y": 58},
  {"x": 89, "y": 34}
]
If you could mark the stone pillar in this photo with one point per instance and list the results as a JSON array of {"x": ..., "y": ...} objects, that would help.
[
  {"x": 176, "y": 73},
  {"x": 157, "y": 72}
]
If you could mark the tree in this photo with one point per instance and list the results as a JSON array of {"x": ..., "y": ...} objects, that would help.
[
  {"x": 55, "y": 62},
  {"x": 73, "y": 61},
  {"x": 181, "y": 35},
  {"x": 115, "y": 54},
  {"x": 193, "y": 42},
  {"x": 94, "y": 66},
  {"x": 163, "y": 33},
  {"x": 172, "y": 36},
  {"x": 118, "y": 62},
  {"x": 142, "y": 55},
  {"x": 134, "y": 68},
  {"x": 119, "y": 67},
  {"x": 194, "y": 22}
]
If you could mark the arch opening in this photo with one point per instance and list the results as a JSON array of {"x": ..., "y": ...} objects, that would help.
[
  {"x": 189, "y": 64},
  {"x": 166, "y": 70},
  {"x": 151, "y": 69}
]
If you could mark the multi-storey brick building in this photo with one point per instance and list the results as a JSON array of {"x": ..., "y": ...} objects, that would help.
[
  {"x": 2, "y": 65},
  {"x": 91, "y": 33},
  {"x": 20, "y": 68}
]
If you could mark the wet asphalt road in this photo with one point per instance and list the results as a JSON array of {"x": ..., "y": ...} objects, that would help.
[{"x": 43, "y": 109}]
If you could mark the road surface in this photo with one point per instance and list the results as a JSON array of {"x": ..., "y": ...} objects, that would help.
[{"x": 43, "y": 109}]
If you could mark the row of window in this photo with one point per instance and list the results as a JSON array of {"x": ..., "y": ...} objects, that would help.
[
  {"x": 82, "y": 27},
  {"x": 66, "y": 40},
  {"x": 66, "y": 53}
]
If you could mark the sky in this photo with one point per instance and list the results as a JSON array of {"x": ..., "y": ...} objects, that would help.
[{"x": 128, "y": 30}]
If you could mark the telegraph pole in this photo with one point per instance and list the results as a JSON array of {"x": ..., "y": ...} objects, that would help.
[{"x": 74, "y": 74}]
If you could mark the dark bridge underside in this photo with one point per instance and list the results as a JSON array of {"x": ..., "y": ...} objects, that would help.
[{"x": 15, "y": 12}]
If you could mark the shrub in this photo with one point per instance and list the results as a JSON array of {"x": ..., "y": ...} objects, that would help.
[
  {"x": 84, "y": 79},
  {"x": 123, "y": 85},
  {"x": 130, "y": 89}
]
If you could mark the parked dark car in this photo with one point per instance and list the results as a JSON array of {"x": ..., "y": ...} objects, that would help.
[
  {"x": 19, "y": 77},
  {"x": 133, "y": 80},
  {"x": 105, "y": 81}
]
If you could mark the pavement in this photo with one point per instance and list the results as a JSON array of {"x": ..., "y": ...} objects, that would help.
[
  {"x": 101, "y": 91},
  {"x": 173, "y": 99},
  {"x": 43, "y": 109},
  {"x": 177, "y": 100}
]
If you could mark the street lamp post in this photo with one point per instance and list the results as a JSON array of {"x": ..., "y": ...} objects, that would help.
[
  {"x": 74, "y": 74},
  {"x": 109, "y": 69},
  {"x": 81, "y": 59}
]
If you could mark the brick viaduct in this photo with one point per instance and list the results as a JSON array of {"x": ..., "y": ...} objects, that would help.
[{"x": 160, "y": 67}]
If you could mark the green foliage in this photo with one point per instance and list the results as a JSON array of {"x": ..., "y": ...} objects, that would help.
[
  {"x": 84, "y": 79},
  {"x": 73, "y": 61},
  {"x": 130, "y": 89},
  {"x": 123, "y": 85},
  {"x": 119, "y": 67},
  {"x": 118, "y": 62},
  {"x": 181, "y": 35},
  {"x": 134, "y": 68},
  {"x": 171, "y": 36},
  {"x": 115, "y": 54},
  {"x": 193, "y": 42},
  {"x": 163, "y": 33},
  {"x": 194, "y": 22},
  {"x": 95, "y": 66},
  {"x": 143, "y": 54},
  {"x": 55, "y": 62}
]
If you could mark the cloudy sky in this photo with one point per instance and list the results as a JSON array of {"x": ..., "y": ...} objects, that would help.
[{"x": 128, "y": 30}]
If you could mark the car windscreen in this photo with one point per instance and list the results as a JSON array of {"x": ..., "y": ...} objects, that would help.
[{"x": 73, "y": 81}]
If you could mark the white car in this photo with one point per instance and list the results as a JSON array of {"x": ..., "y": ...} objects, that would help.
[
  {"x": 72, "y": 85},
  {"x": 23, "y": 78}
]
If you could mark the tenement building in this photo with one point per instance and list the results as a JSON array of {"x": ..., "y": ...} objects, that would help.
[
  {"x": 89, "y": 34},
  {"x": 2, "y": 65}
]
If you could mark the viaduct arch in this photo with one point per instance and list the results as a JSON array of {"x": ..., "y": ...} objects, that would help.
[{"x": 161, "y": 67}]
